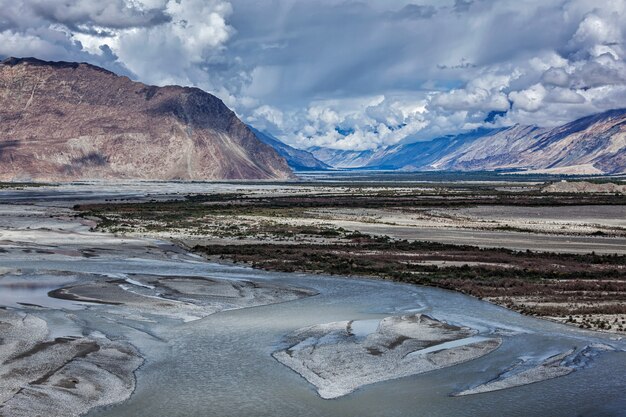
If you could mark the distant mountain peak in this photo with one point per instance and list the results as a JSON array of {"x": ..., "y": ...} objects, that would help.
[
  {"x": 595, "y": 144},
  {"x": 298, "y": 159}
]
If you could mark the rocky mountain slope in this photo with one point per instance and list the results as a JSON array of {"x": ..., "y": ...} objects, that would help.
[
  {"x": 592, "y": 145},
  {"x": 298, "y": 159},
  {"x": 68, "y": 121}
]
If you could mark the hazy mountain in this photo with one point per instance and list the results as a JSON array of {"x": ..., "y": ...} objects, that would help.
[
  {"x": 338, "y": 158},
  {"x": 591, "y": 145},
  {"x": 498, "y": 149},
  {"x": 421, "y": 155},
  {"x": 409, "y": 156},
  {"x": 298, "y": 159},
  {"x": 66, "y": 121}
]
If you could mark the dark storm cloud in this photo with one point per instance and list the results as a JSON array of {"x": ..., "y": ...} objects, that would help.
[{"x": 113, "y": 14}]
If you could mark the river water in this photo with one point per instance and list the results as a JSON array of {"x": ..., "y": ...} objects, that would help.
[{"x": 222, "y": 365}]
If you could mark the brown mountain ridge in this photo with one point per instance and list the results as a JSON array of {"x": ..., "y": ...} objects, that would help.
[{"x": 64, "y": 121}]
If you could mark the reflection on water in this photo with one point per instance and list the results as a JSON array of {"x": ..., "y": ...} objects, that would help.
[{"x": 18, "y": 291}]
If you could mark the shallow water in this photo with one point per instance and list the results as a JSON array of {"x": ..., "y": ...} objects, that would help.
[
  {"x": 20, "y": 290},
  {"x": 222, "y": 365}
]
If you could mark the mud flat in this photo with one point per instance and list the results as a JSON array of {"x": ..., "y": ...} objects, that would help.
[
  {"x": 527, "y": 372},
  {"x": 184, "y": 298},
  {"x": 60, "y": 377},
  {"x": 338, "y": 358},
  {"x": 74, "y": 303}
]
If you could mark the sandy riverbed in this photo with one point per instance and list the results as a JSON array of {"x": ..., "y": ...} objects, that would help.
[{"x": 123, "y": 298}]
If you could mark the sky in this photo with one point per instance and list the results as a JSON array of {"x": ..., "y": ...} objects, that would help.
[{"x": 349, "y": 74}]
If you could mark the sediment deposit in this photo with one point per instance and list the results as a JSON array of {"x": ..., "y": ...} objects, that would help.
[{"x": 340, "y": 357}]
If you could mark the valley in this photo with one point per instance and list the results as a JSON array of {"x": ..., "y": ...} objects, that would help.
[
  {"x": 236, "y": 208},
  {"x": 109, "y": 294},
  {"x": 558, "y": 256}
]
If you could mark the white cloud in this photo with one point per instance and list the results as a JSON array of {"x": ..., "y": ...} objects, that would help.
[
  {"x": 555, "y": 76},
  {"x": 267, "y": 117},
  {"x": 349, "y": 74},
  {"x": 564, "y": 95},
  {"x": 595, "y": 32},
  {"x": 529, "y": 100}
]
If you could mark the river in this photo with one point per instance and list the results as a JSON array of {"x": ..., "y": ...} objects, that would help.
[{"x": 221, "y": 365}]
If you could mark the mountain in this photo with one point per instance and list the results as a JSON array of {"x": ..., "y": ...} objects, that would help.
[
  {"x": 68, "y": 121},
  {"x": 497, "y": 149},
  {"x": 338, "y": 158},
  {"x": 592, "y": 145},
  {"x": 298, "y": 159},
  {"x": 406, "y": 157},
  {"x": 421, "y": 155}
]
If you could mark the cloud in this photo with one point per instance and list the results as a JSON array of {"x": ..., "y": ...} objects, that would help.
[
  {"x": 556, "y": 76},
  {"x": 596, "y": 35},
  {"x": 535, "y": 62},
  {"x": 415, "y": 11},
  {"x": 344, "y": 73},
  {"x": 155, "y": 41},
  {"x": 563, "y": 95},
  {"x": 267, "y": 118},
  {"x": 84, "y": 15},
  {"x": 530, "y": 99},
  {"x": 486, "y": 93}
]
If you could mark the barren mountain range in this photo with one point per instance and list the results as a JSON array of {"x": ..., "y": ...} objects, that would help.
[
  {"x": 68, "y": 121},
  {"x": 592, "y": 145}
]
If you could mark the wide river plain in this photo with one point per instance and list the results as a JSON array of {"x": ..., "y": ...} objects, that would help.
[{"x": 221, "y": 364}]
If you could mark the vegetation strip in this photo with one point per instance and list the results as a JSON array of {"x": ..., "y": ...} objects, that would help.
[{"x": 588, "y": 290}]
